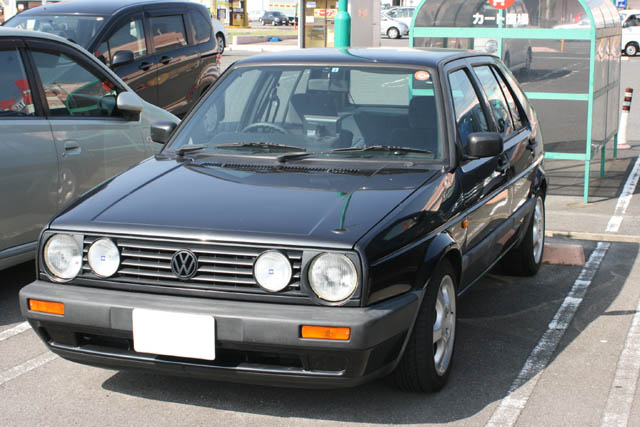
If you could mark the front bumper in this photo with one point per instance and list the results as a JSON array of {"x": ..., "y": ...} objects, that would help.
[{"x": 255, "y": 342}]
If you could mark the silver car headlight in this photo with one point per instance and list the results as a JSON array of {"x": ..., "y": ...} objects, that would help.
[
  {"x": 104, "y": 257},
  {"x": 63, "y": 256},
  {"x": 272, "y": 271},
  {"x": 333, "y": 277}
]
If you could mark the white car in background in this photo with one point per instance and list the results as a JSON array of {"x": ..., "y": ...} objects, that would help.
[
  {"x": 222, "y": 36},
  {"x": 630, "y": 31},
  {"x": 392, "y": 28},
  {"x": 403, "y": 14}
]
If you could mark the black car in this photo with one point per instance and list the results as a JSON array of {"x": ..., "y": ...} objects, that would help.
[
  {"x": 311, "y": 223},
  {"x": 274, "y": 18},
  {"x": 164, "y": 50}
]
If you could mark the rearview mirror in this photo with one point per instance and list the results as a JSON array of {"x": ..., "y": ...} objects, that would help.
[
  {"x": 161, "y": 131},
  {"x": 122, "y": 57},
  {"x": 484, "y": 144}
]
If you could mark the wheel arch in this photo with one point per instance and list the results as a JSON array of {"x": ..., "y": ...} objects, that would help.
[{"x": 442, "y": 247}]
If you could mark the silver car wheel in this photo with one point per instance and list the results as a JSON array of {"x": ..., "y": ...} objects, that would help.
[
  {"x": 444, "y": 325},
  {"x": 538, "y": 230}
]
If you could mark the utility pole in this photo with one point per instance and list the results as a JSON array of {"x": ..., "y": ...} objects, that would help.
[{"x": 342, "y": 26}]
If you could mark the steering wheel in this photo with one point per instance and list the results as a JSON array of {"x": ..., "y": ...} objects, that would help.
[{"x": 265, "y": 125}]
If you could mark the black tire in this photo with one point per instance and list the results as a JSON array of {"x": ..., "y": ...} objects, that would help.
[
  {"x": 418, "y": 370},
  {"x": 526, "y": 258},
  {"x": 393, "y": 33},
  {"x": 221, "y": 43},
  {"x": 631, "y": 49}
]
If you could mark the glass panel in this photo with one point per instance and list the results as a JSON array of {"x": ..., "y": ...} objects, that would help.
[
  {"x": 129, "y": 37},
  {"x": 73, "y": 91},
  {"x": 369, "y": 88},
  {"x": 168, "y": 32},
  {"x": 470, "y": 117},
  {"x": 15, "y": 93},
  {"x": 201, "y": 28},
  {"x": 516, "y": 110},
  {"x": 568, "y": 135},
  {"x": 319, "y": 23},
  {"x": 496, "y": 99},
  {"x": 599, "y": 122},
  {"x": 79, "y": 29},
  {"x": 613, "y": 108}
]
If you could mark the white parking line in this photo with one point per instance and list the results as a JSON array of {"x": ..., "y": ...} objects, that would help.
[
  {"x": 510, "y": 408},
  {"x": 624, "y": 383},
  {"x": 27, "y": 366},
  {"x": 625, "y": 198},
  {"x": 24, "y": 326}
]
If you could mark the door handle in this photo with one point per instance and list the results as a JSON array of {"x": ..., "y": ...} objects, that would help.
[
  {"x": 71, "y": 147},
  {"x": 145, "y": 65},
  {"x": 165, "y": 60}
]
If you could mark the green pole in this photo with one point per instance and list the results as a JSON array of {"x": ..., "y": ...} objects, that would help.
[{"x": 342, "y": 26}]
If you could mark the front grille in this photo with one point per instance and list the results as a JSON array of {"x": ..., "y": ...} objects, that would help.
[{"x": 220, "y": 267}]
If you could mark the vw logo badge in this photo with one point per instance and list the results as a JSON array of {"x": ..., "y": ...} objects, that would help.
[{"x": 184, "y": 264}]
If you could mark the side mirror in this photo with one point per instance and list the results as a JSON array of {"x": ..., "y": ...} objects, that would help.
[
  {"x": 485, "y": 144},
  {"x": 162, "y": 131},
  {"x": 122, "y": 57},
  {"x": 128, "y": 102}
]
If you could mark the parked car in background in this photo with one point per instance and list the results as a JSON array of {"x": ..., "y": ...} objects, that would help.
[
  {"x": 165, "y": 50},
  {"x": 67, "y": 123},
  {"x": 630, "y": 31},
  {"x": 255, "y": 15},
  {"x": 221, "y": 34},
  {"x": 392, "y": 28},
  {"x": 403, "y": 14},
  {"x": 310, "y": 223},
  {"x": 274, "y": 17}
]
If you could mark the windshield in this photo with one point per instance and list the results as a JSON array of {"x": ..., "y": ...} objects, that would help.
[
  {"x": 79, "y": 29},
  {"x": 345, "y": 111}
]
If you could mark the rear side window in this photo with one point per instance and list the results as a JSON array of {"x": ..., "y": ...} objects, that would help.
[
  {"x": 201, "y": 27},
  {"x": 71, "y": 90},
  {"x": 15, "y": 93},
  {"x": 470, "y": 117},
  {"x": 496, "y": 99},
  {"x": 168, "y": 32}
]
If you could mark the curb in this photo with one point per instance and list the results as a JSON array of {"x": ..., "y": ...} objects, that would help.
[{"x": 600, "y": 237}]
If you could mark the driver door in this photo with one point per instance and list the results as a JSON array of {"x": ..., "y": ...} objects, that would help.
[{"x": 92, "y": 139}]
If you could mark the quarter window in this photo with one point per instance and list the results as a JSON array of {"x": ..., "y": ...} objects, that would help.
[
  {"x": 470, "y": 117},
  {"x": 73, "y": 91},
  {"x": 15, "y": 92},
  {"x": 496, "y": 99},
  {"x": 168, "y": 32}
]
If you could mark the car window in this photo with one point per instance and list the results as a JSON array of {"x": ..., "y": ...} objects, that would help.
[
  {"x": 81, "y": 29},
  {"x": 470, "y": 117},
  {"x": 518, "y": 117},
  {"x": 15, "y": 93},
  {"x": 168, "y": 32},
  {"x": 128, "y": 37},
  {"x": 496, "y": 99},
  {"x": 201, "y": 27},
  {"x": 71, "y": 90}
]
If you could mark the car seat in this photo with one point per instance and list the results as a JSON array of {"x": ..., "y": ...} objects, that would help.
[{"x": 423, "y": 126}]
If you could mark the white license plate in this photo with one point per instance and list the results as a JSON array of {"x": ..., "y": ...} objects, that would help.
[{"x": 174, "y": 334}]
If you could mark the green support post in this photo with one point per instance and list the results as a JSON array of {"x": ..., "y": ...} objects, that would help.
[
  {"x": 342, "y": 26},
  {"x": 602, "y": 160}
]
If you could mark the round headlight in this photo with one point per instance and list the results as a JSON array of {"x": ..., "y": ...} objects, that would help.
[
  {"x": 104, "y": 257},
  {"x": 272, "y": 271},
  {"x": 333, "y": 277},
  {"x": 63, "y": 256}
]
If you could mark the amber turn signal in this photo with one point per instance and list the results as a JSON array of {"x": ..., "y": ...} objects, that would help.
[
  {"x": 46, "y": 306},
  {"x": 326, "y": 333}
]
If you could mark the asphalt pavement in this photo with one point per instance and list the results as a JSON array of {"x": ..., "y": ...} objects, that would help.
[{"x": 558, "y": 349}]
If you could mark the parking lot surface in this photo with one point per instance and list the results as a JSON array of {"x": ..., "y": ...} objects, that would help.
[{"x": 557, "y": 349}]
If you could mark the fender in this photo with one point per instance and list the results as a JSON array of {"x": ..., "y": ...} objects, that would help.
[{"x": 440, "y": 247}]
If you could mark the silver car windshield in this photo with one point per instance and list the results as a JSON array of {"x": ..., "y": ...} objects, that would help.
[
  {"x": 325, "y": 110},
  {"x": 79, "y": 29}
]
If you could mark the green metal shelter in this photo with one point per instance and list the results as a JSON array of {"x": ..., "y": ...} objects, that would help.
[{"x": 565, "y": 53}]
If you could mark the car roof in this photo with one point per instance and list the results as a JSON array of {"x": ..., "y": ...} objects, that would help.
[
  {"x": 94, "y": 7},
  {"x": 425, "y": 57}
]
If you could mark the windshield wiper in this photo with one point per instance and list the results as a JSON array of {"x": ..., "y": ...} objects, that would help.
[
  {"x": 389, "y": 148},
  {"x": 189, "y": 149},
  {"x": 263, "y": 145}
]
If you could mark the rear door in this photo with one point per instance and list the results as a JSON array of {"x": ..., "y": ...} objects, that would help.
[
  {"x": 93, "y": 139},
  {"x": 178, "y": 59},
  {"x": 129, "y": 33},
  {"x": 486, "y": 196},
  {"x": 28, "y": 160}
]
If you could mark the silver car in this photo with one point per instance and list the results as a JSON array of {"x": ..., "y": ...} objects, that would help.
[
  {"x": 392, "y": 28},
  {"x": 68, "y": 123}
]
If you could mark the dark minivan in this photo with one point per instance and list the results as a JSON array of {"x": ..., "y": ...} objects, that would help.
[{"x": 164, "y": 50}]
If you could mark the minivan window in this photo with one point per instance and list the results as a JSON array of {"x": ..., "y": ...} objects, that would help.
[
  {"x": 168, "y": 32},
  {"x": 71, "y": 90},
  {"x": 79, "y": 29},
  {"x": 201, "y": 27},
  {"x": 15, "y": 93},
  {"x": 129, "y": 37}
]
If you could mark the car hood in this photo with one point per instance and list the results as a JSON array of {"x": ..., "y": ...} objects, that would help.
[{"x": 318, "y": 206}]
